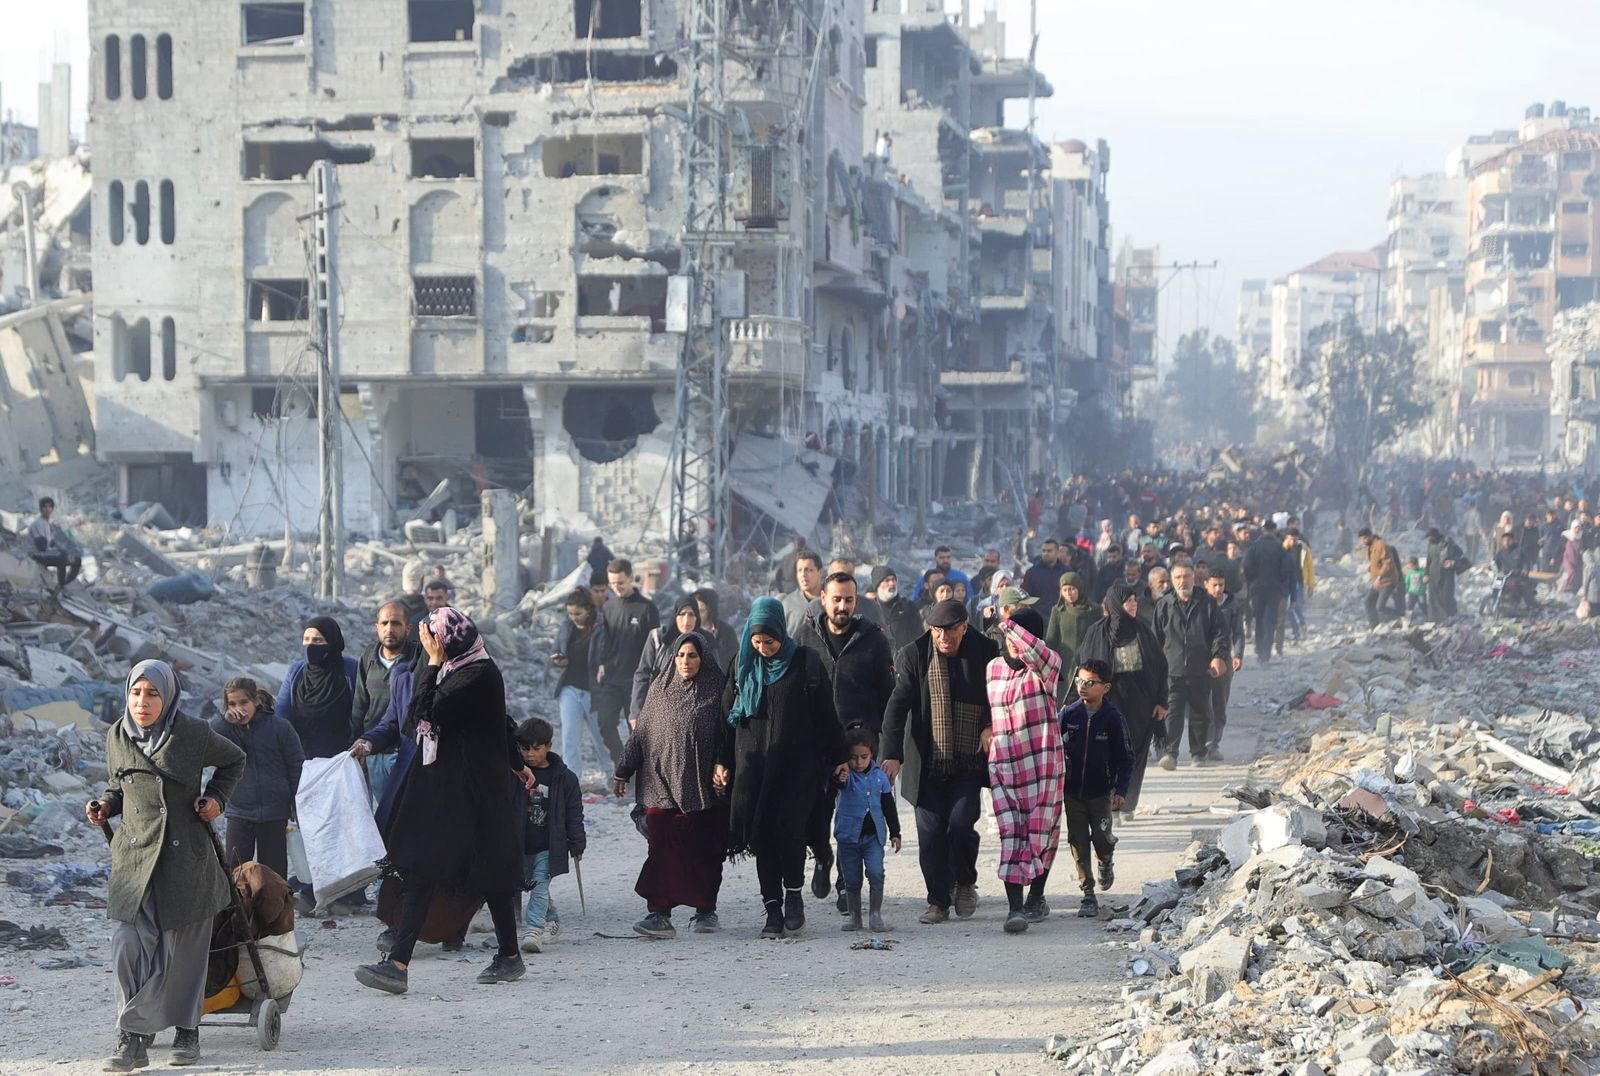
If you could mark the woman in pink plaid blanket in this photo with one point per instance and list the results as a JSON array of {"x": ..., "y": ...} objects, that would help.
[{"x": 1027, "y": 764}]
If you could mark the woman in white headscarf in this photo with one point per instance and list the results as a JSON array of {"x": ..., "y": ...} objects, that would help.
[{"x": 167, "y": 882}]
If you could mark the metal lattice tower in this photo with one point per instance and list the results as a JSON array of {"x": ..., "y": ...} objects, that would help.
[{"x": 699, "y": 472}]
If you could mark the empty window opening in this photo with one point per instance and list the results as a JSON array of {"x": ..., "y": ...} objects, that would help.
[
  {"x": 287, "y": 401},
  {"x": 278, "y": 300},
  {"x": 624, "y": 296},
  {"x": 608, "y": 18},
  {"x": 594, "y": 155},
  {"x": 502, "y": 436},
  {"x": 349, "y": 123},
  {"x": 169, "y": 350},
  {"x": 293, "y": 160},
  {"x": 599, "y": 66},
  {"x": 871, "y": 46},
  {"x": 1574, "y": 250},
  {"x": 443, "y": 158},
  {"x": 116, "y": 205},
  {"x": 164, "y": 67},
  {"x": 440, "y": 20},
  {"x": 138, "y": 350},
  {"x": 113, "y": 54},
  {"x": 444, "y": 297},
  {"x": 141, "y": 212},
  {"x": 169, "y": 212},
  {"x": 1574, "y": 207},
  {"x": 273, "y": 24},
  {"x": 136, "y": 63},
  {"x": 605, "y": 424},
  {"x": 532, "y": 334}
]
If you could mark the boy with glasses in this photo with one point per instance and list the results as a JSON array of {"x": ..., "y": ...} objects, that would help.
[{"x": 1099, "y": 769}]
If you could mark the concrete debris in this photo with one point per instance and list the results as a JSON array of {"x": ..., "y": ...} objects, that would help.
[{"x": 1406, "y": 890}]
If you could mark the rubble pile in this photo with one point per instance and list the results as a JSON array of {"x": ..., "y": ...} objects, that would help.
[{"x": 1413, "y": 887}]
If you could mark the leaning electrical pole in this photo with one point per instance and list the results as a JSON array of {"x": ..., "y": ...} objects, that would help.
[{"x": 325, "y": 297}]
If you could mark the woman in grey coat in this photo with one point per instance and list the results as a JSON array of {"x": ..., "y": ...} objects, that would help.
[{"x": 166, "y": 883}]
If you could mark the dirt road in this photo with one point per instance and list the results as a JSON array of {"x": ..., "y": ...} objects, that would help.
[{"x": 962, "y": 997}]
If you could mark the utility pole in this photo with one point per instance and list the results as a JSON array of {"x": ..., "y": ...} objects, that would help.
[
  {"x": 325, "y": 297},
  {"x": 699, "y": 474}
]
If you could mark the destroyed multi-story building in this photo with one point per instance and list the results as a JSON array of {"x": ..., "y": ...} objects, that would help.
[
  {"x": 1330, "y": 289},
  {"x": 503, "y": 227},
  {"x": 1082, "y": 278},
  {"x": 1533, "y": 244}
]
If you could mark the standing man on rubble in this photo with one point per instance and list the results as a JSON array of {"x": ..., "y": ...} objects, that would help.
[
  {"x": 629, "y": 618},
  {"x": 1194, "y": 636},
  {"x": 1446, "y": 560},
  {"x": 392, "y": 647},
  {"x": 52, "y": 547},
  {"x": 1383, "y": 574}
]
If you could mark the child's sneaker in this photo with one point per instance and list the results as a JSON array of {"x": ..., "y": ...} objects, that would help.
[
  {"x": 533, "y": 940},
  {"x": 552, "y": 929},
  {"x": 1088, "y": 907},
  {"x": 1108, "y": 873},
  {"x": 1036, "y": 911}
]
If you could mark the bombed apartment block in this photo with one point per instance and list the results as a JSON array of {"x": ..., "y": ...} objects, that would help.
[{"x": 509, "y": 229}]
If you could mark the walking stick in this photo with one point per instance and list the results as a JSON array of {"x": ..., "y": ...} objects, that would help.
[{"x": 577, "y": 870}]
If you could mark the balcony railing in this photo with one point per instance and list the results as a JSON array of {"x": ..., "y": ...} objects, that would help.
[{"x": 765, "y": 346}]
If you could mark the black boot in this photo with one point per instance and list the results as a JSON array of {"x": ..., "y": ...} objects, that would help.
[
  {"x": 822, "y": 872},
  {"x": 774, "y": 925},
  {"x": 132, "y": 1052},
  {"x": 794, "y": 912},
  {"x": 852, "y": 898},
  {"x": 185, "y": 1046}
]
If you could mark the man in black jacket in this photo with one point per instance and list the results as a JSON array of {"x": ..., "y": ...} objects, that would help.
[
  {"x": 1195, "y": 640},
  {"x": 896, "y": 612},
  {"x": 936, "y": 731},
  {"x": 629, "y": 618},
  {"x": 1267, "y": 566},
  {"x": 860, "y": 665},
  {"x": 1108, "y": 574}
]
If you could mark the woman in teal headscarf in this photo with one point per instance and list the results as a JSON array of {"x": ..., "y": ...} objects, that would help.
[{"x": 785, "y": 743}]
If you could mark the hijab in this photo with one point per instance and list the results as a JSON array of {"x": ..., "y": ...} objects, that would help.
[
  {"x": 670, "y": 629},
  {"x": 674, "y": 698},
  {"x": 463, "y": 645},
  {"x": 753, "y": 672},
  {"x": 323, "y": 690},
  {"x": 165, "y": 681},
  {"x": 1124, "y": 628}
]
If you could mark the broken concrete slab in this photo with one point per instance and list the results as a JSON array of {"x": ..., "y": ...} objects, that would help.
[
  {"x": 1271, "y": 828},
  {"x": 130, "y": 544},
  {"x": 1216, "y": 966}
]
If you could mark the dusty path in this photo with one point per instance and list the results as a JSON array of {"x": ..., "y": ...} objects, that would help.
[{"x": 963, "y": 997}]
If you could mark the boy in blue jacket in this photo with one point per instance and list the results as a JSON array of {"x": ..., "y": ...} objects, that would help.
[
  {"x": 1099, "y": 768},
  {"x": 864, "y": 820}
]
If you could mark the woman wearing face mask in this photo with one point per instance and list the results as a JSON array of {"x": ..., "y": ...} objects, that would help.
[
  {"x": 166, "y": 883},
  {"x": 1139, "y": 683},
  {"x": 318, "y": 694},
  {"x": 785, "y": 740}
]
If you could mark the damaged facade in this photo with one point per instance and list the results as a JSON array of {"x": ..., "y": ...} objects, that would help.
[{"x": 508, "y": 231}]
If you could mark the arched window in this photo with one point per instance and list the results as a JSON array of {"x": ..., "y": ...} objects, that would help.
[
  {"x": 113, "y": 56},
  {"x": 169, "y": 350},
  {"x": 141, "y": 212},
  {"x": 136, "y": 61},
  {"x": 116, "y": 205},
  {"x": 164, "y": 67},
  {"x": 169, "y": 209}
]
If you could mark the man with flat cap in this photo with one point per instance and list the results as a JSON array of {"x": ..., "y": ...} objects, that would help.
[{"x": 936, "y": 739}]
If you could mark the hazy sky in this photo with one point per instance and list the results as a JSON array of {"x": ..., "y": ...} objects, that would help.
[{"x": 1258, "y": 133}]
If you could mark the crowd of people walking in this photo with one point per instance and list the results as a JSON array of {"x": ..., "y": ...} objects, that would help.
[{"x": 1051, "y": 683}]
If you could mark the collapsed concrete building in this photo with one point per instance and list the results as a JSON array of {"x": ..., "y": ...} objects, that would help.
[{"x": 507, "y": 235}]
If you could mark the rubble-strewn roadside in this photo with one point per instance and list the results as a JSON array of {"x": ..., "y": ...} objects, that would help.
[{"x": 1412, "y": 886}]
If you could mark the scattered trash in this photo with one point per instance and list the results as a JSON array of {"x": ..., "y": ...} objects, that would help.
[
  {"x": 18, "y": 847},
  {"x": 880, "y": 945},
  {"x": 13, "y": 936}
]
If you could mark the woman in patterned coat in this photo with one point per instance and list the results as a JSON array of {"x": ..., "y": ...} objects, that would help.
[{"x": 1027, "y": 764}]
